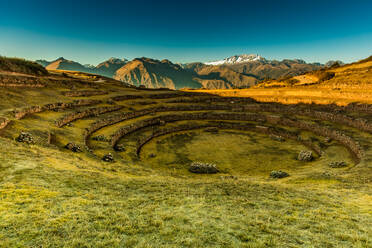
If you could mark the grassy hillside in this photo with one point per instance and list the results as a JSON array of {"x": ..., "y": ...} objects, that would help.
[
  {"x": 53, "y": 196},
  {"x": 342, "y": 85},
  {"x": 21, "y": 66}
]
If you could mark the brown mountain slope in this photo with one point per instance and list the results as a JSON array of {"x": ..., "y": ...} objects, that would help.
[
  {"x": 69, "y": 65},
  {"x": 156, "y": 74},
  {"x": 109, "y": 67},
  {"x": 342, "y": 85},
  {"x": 272, "y": 69},
  {"x": 215, "y": 75}
]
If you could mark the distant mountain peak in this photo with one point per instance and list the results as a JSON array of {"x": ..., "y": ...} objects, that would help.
[
  {"x": 237, "y": 59},
  {"x": 114, "y": 60},
  {"x": 89, "y": 66}
]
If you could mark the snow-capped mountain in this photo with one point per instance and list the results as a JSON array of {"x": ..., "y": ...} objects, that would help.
[
  {"x": 237, "y": 59},
  {"x": 113, "y": 60},
  {"x": 89, "y": 66}
]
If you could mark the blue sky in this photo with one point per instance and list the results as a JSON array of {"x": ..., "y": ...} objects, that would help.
[{"x": 185, "y": 31}]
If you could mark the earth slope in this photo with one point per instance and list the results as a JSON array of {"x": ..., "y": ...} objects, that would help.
[
  {"x": 261, "y": 68},
  {"x": 109, "y": 67},
  {"x": 57, "y": 191},
  {"x": 156, "y": 74},
  {"x": 69, "y": 65},
  {"x": 239, "y": 71},
  {"x": 336, "y": 84}
]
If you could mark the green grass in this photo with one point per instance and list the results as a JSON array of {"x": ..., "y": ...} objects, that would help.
[
  {"x": 51, "y": 197},
  {"x": 48, "y": 201},
  {"x": 22, "y": 66}
]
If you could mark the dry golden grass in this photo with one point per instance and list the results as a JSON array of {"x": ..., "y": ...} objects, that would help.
[{"x": 52, "y": 197}]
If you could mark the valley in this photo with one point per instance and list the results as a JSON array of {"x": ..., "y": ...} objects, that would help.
[{"x": 87, "y": 159}]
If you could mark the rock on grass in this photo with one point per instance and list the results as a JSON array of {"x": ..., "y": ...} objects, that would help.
[
  {"x": 73, "y": 147},
  {"x": 278, "y": 174},
  {"x": 338, "y": 164},
  {"x": 203, "y": 168},
  {"x": 108, "y": 158},
  {"x": 25, "y": 138},
  {"x": 305, "y": 156}
]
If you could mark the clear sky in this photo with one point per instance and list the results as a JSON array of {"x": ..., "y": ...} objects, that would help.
[{"x": 186, "y": 30}]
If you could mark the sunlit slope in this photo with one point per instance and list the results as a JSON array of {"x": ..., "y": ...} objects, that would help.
[
  {"x": 341, "y": 85},
  {"x": 56, "y": 190}
]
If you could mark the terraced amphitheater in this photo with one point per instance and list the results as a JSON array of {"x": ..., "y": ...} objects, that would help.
[{"x": 87, "y": 158}]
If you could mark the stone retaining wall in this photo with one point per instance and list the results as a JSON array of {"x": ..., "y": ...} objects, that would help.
[
  {"x": 334, "y": 116},
  {"x": 20, "y": 81},
  {"x": 19, "y": 114},
  {"x": 77, "y": 93},
  {"x": 342, "y": 138},
  {"x": 85, "y": 113},
  {"x": 125, "y": 97},
  {"x": 225, "y": 125},
  {"x": 130, "y": 115}
]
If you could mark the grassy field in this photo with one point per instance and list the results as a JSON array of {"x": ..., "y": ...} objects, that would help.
[
  {"x": 50, "y": 200},
  {"x": 53, "y": 197}
]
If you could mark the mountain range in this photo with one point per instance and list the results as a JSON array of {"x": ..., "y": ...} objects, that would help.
[
  {"x": 106, "y": 68},
  {"x": 239, "y": 71}
]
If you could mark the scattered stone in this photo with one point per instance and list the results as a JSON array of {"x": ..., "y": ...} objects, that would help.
[
  {"x": 100, "y": 138},
  {"x": 161, "y": 123},
  {"x": 73, "y": 147},
  {"x": 338, "y": 164},
  {"x": 276, "y": 137},
  {"x": 119, "y": 148},
  {"x": 278, "y": 174},
  {"x": 228, "y": 177},
  {"x": 108, "y": 158},
  {"x": 305, "y": 156},
  {"x": 203, "y": 168},
  {"x": 69, "y": 125},
  {"x": 88, "y": 149},
  {"x": 326, "y": 175},
  {"x": 152, "y": 155},
  {"x": 25, "y": 138}
]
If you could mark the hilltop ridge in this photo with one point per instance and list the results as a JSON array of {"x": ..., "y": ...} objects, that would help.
[{"x": 239, "y": 71}]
